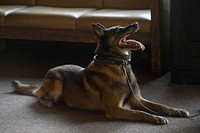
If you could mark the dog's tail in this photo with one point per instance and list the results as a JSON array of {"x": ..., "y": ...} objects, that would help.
[{"x": 24, "y": 89}]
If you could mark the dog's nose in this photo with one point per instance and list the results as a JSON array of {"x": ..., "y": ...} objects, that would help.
[{"x": 135, "y": 24}]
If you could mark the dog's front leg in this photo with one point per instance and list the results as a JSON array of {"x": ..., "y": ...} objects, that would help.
[
  {"x": 122, "y": 113},
  {"x": 163, "y": 109},
  {"x": 159, "y": 108}
]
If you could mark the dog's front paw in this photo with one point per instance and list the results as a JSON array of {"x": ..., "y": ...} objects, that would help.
[
  {"x": 161, "y": 120},
  {"x": 183, "y": 113}
]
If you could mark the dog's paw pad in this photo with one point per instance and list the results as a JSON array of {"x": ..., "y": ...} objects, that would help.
[{"x": 47, "y": 103}]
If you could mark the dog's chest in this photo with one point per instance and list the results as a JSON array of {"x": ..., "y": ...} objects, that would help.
[{"x": 113, "y": 79}]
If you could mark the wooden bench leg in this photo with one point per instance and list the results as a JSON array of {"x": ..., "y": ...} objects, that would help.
[{"x": 2, "y": 44}]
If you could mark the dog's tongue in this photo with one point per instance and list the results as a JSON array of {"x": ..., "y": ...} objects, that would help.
[
  {"x": 135, "y": 43},
  {"x": 131, "y": 43}
]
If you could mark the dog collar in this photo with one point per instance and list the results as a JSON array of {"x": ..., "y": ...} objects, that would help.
[{"x": 103, "y": 60}]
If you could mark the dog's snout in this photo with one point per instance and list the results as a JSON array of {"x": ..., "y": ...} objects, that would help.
[{"x": 136, "y": 25}]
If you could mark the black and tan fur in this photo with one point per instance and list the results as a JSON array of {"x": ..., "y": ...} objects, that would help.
[{"x": 101, "y": 86}]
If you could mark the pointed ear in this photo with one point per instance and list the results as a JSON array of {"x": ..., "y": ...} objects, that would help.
[
  {"x": 98, "y": 30},
  {"x": 101, "y": 25}
]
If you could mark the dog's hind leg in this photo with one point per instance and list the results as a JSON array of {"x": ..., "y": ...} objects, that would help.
[
  {"x": 24, "y": 89},
  {"x": 49, "y": 92}
]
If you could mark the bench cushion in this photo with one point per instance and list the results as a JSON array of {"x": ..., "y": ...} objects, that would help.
[
  {"x": 46, "y": 17},
  {"x": 17, "y": 2},
  {"x": 7, "y": 9},
  {"x": 126, "y": 4},
  {"x": 71, "y": 3},
  {"x": 110, "y": 17}
]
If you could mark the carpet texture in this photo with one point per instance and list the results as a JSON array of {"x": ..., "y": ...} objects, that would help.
[{"x": 24, "y": 114}]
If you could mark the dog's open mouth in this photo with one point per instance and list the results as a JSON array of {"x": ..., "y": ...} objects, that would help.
[{"x": 130, "y": 43}]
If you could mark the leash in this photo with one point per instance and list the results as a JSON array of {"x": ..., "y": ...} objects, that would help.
[{"x": 148, "y": 109}]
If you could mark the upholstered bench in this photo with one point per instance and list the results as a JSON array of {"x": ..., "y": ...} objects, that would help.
[{"x": 70, "y": 20}]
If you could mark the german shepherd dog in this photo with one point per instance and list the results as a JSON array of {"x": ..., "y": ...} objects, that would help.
[{"x": 102, "y": 85}]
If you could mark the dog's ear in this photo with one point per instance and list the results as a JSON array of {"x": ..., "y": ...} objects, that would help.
[
  {"x": 98, "y": 30},
  {"x": 101, "y": 25}
]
